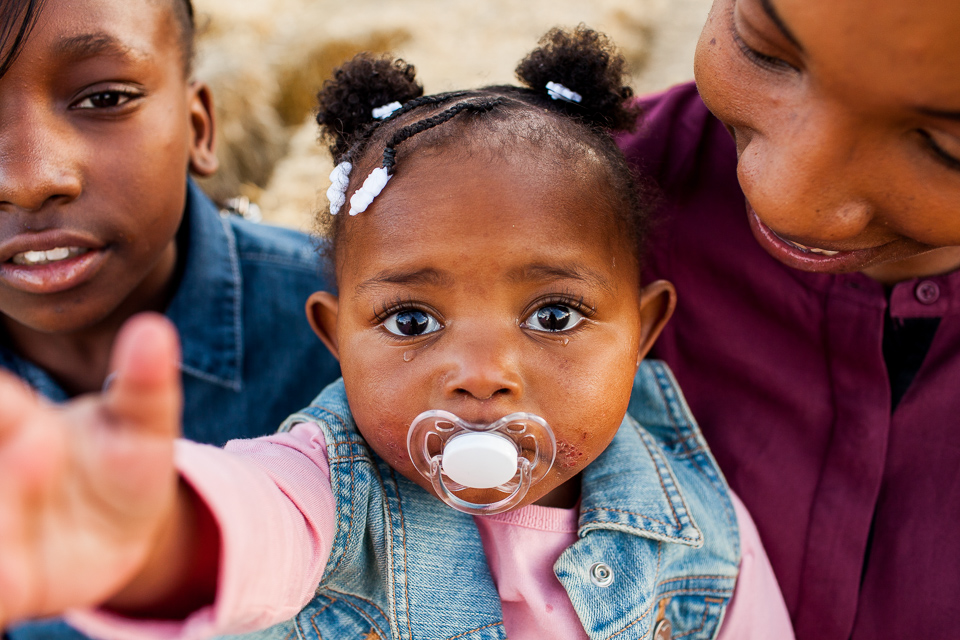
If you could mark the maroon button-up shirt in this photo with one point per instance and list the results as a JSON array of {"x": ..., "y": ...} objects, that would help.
[{"x": 785, "y": 372}]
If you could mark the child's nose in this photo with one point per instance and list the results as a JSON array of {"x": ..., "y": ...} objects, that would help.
[
  {"x": 38, "y": 161},
  {"x": 484, "y": 369}
]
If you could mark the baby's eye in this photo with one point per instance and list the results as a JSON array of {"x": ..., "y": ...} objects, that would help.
[
  {"x": 553, "y": 318},
  {"x": 411, "y": 323},
  {"x": 104, "y": 100}
]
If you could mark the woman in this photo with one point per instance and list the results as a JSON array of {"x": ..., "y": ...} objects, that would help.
[{"x": 811, "y": 225}]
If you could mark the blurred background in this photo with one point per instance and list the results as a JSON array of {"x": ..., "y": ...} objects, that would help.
[{"x": 265, "y": 60}]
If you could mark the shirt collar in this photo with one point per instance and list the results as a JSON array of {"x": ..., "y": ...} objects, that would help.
[{"x": 207, "y": 308}]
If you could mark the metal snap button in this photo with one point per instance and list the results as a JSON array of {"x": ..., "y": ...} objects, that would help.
[
  {"x": 601, "y": 574},
  {"x": 664, "y": 630},
  {"x": 927, "y": 292}
]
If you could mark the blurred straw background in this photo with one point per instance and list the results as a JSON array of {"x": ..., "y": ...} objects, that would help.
[{"x": 266, "y": 60}]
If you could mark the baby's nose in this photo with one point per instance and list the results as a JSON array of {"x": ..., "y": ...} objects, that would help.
[{"x": 484, "y": 369}]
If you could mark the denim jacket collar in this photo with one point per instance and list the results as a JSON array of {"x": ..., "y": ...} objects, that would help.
[
  {"x": 643, "y": 498},
  {"x": 207, "y": 308}
]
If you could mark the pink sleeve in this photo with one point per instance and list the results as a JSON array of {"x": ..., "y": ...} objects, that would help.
[
  {"x": 757, "y": 610},
  {"x": 272, "y": 501}
]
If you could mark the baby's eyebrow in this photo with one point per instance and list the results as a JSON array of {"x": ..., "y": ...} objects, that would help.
[
  {"x": 422, "y": 277},
  {"x": 547, "y": 272},
  {"x": 90, "y": 45}
]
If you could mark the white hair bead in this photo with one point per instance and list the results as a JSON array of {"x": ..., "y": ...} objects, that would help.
[
  {"x": 559, "y": 92},
  {"x": 384, "y": 112},
  {"x": 339, "y": 181},
  {"x": 371, "y": 188}
]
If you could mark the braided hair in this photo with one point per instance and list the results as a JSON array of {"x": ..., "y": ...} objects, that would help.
[{"x": 582, "y": 61}]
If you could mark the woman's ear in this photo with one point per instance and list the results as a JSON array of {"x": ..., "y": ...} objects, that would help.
[
  {"x": 203, "y": 157},
  {"x": 657, "y": 302},
  {"x": 322, "y": 311}
]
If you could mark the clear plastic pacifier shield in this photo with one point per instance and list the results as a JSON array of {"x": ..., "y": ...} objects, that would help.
[{"x": 509, "y": 456}]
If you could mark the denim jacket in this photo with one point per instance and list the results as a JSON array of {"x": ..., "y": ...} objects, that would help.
[
  {"x": 249, "y": 354},
  {"x": 658, "y": 538}
]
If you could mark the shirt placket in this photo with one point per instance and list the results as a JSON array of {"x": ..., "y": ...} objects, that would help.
[{"x": 852, "y": 471}]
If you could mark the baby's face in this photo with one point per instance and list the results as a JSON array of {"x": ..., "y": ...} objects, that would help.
[
  {"x": 98, "y": 129},
  {"x": 485, "y": 290}
]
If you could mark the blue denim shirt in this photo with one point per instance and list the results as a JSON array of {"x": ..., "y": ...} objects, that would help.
[
  {"x": 655, "y": 512},
  {"x": 249, "y": 354}
]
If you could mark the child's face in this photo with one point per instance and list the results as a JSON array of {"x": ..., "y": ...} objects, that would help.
[
  {"x": 98, "y": 129},
  {"x": 847, "y": 120},
  {"x": 477, "y": 263}
]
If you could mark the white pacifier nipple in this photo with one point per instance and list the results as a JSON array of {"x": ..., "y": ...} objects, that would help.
[
  {"x": 509, "y": 456},
  {"x": 480, "y": 460}
]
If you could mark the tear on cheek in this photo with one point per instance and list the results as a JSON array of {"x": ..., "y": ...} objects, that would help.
[{"x": 569, "y": 456}]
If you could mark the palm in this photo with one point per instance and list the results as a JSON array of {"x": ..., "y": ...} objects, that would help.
[{"x": 86, "y": 487}]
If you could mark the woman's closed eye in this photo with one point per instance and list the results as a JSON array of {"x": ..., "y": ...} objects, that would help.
[
  {"x": 410, "y": 323},
  {"x": 553, "y": 318}
]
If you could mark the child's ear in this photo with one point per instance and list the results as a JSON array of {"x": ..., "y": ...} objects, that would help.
[
  {"x": 657, "y": 301},
  {"x": 322, "y": 311},
  {"x": 203, "y": 157}
]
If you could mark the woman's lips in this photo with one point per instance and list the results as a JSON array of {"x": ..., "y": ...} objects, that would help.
[{"x": 816, "y": 259}]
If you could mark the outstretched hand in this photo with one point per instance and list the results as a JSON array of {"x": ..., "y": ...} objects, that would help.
[{"x": 88, "y": 489}]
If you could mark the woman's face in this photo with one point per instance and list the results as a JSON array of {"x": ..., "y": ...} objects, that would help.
[{"x": 846, "y": 115}]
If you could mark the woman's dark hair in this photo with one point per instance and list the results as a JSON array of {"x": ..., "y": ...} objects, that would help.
[
  {"x": 18, "y": 17},
  {"x": 583, "y": 61}
]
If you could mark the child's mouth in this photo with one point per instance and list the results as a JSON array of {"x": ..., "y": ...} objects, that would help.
[{"x": 36, "y": 258}]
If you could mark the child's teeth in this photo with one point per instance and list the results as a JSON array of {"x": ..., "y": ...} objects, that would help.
[{"x": 31, "y": 258}]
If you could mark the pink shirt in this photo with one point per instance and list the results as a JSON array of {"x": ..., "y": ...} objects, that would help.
[{"x": 272, "y": 500}]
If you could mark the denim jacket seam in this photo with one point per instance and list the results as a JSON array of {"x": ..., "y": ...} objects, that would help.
[
  {"x": 313, "y": 618},
  {"x": 353, "y": 606},
  {"x": 233, "y": 385},
  {"x": 237, "y": 300},
  {"x": 657, "y": 463},
  {"x": 466, "y": 633},
  {"x": 346, "y": 596},
  {"x": 715, "y": 481},
  {"x": 652, "y": 600},
  {"x": 703, "y": 623},
  {"x": 403, "y": 529}
]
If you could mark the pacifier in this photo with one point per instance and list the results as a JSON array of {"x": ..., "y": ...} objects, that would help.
[{"x": 509, "y": 456}]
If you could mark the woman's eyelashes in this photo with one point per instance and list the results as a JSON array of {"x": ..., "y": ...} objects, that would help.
[
  {"x": 940, "y": 154},
  {"x": 763, "y": 60}
]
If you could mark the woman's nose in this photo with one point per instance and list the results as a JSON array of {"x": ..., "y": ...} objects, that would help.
[
  {"x": 484, "y": 367},
  {"x": 811, "y": 179},
  {"x": 38, "y": 159}
]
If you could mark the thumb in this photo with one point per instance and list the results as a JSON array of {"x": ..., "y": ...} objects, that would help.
[{"x": 146, "y": 388}]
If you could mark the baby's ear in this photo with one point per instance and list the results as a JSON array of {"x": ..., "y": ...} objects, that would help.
[
  {"x": 203, "y": 143},
  {"x": 657, "y": 301},
  {"x": 322, "y": 311}
]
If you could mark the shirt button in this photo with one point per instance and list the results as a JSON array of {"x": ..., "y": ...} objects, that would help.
[
  {"x": 664, "y": 630},
  {"x": 601, "y": 575},
  {"x": 927, "y": 292}
]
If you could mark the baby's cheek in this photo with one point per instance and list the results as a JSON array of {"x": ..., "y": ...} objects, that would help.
[{"x": 570, "y": 456}]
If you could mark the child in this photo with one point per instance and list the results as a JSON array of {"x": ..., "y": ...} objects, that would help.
[
  {"x": 100, "y": 124},
  {"x": 489, "y": 311}
]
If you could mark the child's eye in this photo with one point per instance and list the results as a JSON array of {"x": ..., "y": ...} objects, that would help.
[
  {"x": 553, "y": 318},
  {"x": 104, "y": 100},
  {"x": 411, "y": 322}
]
